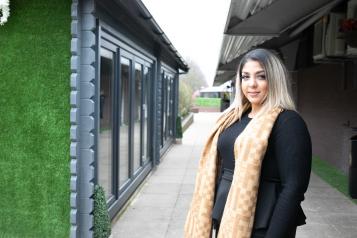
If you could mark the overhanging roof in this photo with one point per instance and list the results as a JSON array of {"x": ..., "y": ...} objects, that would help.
[
  {"x": 157, "y": 30},
  {"x": 251, "y": 23},
  {"x": 223, "y": 76},
  {"x": 278, "y": 17},
  {"x": 142, "y": 14}
]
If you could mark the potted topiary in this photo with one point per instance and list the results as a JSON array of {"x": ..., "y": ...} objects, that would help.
[
  {"x": 102, "y": 226},
  {"x": 178, "y": 139}
]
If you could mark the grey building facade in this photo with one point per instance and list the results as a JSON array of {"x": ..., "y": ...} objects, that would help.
[{"x": 124, "y": 102}]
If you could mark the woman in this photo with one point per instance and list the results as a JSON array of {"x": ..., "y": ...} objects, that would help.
[{"x": 255, "y": 166}]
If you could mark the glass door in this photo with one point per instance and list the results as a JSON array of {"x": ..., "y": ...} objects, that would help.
[
  {"x": 137, "y": 115},
  {"x": 167, "y": 97},
  {"x": 105, "y": 137},
  {"x": 124, "y": 121},
  {"x": 123, "y": 139},
  {"x": 145, "y": 142},
  {"x": 140, "y": 99}
]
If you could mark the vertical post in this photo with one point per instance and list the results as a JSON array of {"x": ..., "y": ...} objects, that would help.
[
  {"x": 157, "y": 104},
  {"x": 82, "y": 113},
  {"x": 74, "y": 118},
  {"x": 176, "y": 101}
]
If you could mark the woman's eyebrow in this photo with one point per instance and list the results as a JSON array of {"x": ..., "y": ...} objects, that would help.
[{"x": 262, "y": 71}]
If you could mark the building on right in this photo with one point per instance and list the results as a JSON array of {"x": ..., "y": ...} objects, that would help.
[{"x": 318, "y": 42}]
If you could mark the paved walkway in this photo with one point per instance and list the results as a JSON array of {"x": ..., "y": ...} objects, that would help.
[{"x": 159, "y": 209}]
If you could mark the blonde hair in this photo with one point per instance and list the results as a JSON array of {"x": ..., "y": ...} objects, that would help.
[{"x": 278, "y": 79}]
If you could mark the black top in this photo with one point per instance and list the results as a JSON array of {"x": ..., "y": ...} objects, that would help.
[
  {"x": 226, "y": 139},
  {"x": 287, "y": 160}
]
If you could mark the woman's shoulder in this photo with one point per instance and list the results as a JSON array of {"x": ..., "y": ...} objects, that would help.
[
  {"x": 288, "y": 114},
  {"x": 289, "y": 127},
  {"x": 290, "y": 119}
]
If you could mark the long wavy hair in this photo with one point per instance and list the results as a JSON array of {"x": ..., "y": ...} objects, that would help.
[{"x": 278, "y": 83}]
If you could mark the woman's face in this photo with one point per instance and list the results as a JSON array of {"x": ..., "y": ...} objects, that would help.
[{"x": 254, "y": 83}]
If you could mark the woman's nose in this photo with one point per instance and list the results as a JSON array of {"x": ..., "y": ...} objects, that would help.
[{"x": 253, "y": 82}]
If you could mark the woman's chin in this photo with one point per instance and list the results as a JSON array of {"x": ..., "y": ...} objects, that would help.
[{"x": 255, "y": 101}]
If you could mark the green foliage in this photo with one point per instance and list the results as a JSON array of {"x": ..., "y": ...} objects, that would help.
[
  {"x": 102, "y": 226},
  {"x": 185, "y": 99},
  {"x": 178, "y": 127},
  {"x": 34, "y": 124},
  {"x": 208, "y": 102},
  {"x": 331, "y": 175}
]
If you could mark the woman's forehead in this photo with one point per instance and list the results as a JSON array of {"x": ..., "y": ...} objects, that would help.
[{"x": 252, "y": 65}]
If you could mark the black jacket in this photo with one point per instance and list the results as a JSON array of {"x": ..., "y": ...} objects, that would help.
[{"x": 284, "y": 177}]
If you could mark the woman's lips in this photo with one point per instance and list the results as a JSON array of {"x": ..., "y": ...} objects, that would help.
[{"x": 253, "y": 93}]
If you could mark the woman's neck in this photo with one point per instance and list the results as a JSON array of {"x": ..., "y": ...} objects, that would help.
[{"x": 254, "y": 110}]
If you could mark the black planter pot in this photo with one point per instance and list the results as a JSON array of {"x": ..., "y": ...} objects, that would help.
[{"x": 350, "y": 38}]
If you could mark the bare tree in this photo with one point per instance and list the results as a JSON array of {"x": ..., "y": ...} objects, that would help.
[
  {"x": 189, "y": 83},
  {"x": 194, "y": 78}
]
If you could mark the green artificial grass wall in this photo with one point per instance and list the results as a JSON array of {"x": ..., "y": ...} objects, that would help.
[
  {"x": 331, "y": 175},
  {"x": 34, "y": 119}
]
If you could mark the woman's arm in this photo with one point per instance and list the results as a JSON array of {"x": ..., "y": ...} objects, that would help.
[{"x": 293, "y": 155}]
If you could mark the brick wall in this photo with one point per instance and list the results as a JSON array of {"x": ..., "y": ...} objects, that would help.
[{"x": 326, "y": 106}]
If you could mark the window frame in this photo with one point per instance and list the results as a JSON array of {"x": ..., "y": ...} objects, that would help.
[{"x": 109, "y": 38}]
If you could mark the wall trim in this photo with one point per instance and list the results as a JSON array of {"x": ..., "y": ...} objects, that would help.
[{"x": 83, "y": 58}]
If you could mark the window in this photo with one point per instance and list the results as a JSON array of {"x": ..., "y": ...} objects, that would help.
[
  {"x": 167, "y": 109},
  {"x": 137, "y": 107},
  {"x": 145, "y": 120},
  {"x": 124, "y": 120},
  {"x": 123, "y": 150},
  {"x": 105, "y": 118}
]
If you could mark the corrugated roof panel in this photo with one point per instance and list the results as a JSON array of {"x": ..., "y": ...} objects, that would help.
[
  {"x": 250, "y": 23},
  {"x": 234, "y": 46},
  {"x": 241, "y": 9}
]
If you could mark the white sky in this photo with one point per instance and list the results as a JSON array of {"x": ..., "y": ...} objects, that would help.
[{"x": 195, "y": 28}]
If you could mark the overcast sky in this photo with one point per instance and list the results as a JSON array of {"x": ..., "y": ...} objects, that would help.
[{"x": 195, "y": 28}]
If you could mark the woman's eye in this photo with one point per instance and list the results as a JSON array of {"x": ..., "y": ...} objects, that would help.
[
  {"x": 261, "y": 76},
  {"x": 245, "y": 77}
]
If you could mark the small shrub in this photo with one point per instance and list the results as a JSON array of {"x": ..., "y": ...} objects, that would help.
[
  {"x": 178, "y": 127},
  {"x": 102, "y": 226}
]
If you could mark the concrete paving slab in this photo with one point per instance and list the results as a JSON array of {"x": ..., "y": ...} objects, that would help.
[
  {"x": 145, "y": 214},
  {"x": 135, "y": 229},
  {"x": 175, "y": 228},
  {"x": 189, "y": 179},
  {"x": 187, "y": 188},
  {"x": 176, "y": 163},
  {"x": 166, "y": 179},
  {"x": 171, "y": 172},
  {"x": 155, "y": 200},
  {"x": 318, "y": 231},
  {"x": 162, "y": 188}
]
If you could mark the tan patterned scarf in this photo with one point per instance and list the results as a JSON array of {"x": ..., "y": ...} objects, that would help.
[{"x": 249, "y": 151}]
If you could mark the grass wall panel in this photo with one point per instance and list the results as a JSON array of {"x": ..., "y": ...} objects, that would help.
[{"x": 34, "y": 119}]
